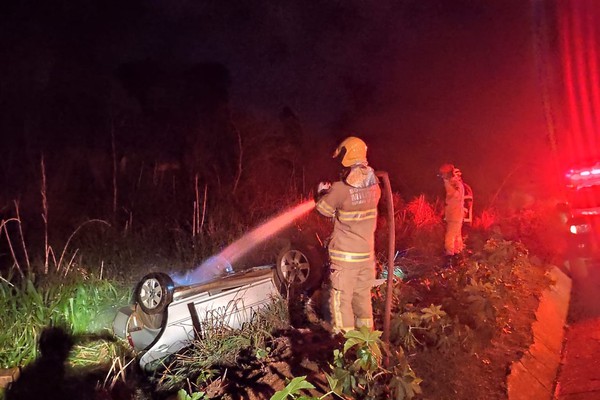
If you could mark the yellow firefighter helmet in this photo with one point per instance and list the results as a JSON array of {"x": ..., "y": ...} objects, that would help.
[{"x": 352, "y": 151}]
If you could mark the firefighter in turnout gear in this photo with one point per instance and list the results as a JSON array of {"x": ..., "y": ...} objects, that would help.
[
  {"x": 352, "y": 203},
  {"x": 454, "y": 212}
]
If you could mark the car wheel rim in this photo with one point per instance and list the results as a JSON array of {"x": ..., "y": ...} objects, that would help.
[
  {"x": 295, "y": 267},
  {"x": 151, "y": 293}
]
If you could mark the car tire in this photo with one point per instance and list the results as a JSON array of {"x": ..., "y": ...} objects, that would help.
[
  {"x": 299, "y": 267},
  {"x": 154, "y": 292}
]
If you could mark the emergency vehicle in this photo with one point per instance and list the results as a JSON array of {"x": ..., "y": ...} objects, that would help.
[{"x": 582, "y": 210}]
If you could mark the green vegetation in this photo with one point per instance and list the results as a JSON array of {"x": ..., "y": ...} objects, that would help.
[
  {"x": 294, "y": 389},
  {"x": 82, "y": 307},
  {"x": 221, "y": 348},
  {"x": 481, "y": 309},
  {"x": 360, "y": 372},
  {"x": 474, "y": 300}
]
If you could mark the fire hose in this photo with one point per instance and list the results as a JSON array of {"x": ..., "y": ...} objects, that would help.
[{"x": 391, "y": 250}]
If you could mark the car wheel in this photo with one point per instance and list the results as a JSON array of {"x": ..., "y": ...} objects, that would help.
[
  {"x": 300, "y": 267},
  {"x": 154, "y": 292}
]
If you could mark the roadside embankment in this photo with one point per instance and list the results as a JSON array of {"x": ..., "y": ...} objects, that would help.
[{"x": 534, "y": 375}]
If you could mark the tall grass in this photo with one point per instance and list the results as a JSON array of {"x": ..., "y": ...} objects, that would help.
[
  {"x": 25, "y": 314},
  {"x": 81, "y": 307},
  {"x": 220, "y": 347}
]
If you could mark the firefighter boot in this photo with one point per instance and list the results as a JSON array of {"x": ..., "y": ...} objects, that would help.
[
  {"x": 457, "y": 260},
  {"x": 449, "y": 261}
]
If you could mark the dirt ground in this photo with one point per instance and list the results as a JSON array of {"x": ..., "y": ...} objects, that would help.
[{"x": 297, "y": 352}]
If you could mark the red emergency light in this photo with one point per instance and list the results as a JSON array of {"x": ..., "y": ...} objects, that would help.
[
  {"x": 584, "y": 176},
  {"x": 579, "y": 49}
]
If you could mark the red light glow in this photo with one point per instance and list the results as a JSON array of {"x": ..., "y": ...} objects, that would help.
[{"x": 579, "y": 38}]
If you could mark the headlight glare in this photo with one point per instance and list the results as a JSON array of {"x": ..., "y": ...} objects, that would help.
[{"x": 579, "y": 229}]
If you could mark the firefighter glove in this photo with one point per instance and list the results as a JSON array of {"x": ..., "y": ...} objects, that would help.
[{"x": 323, "y": 188}]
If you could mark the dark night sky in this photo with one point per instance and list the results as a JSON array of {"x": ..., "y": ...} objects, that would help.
[{"x": 423, "y": 81}]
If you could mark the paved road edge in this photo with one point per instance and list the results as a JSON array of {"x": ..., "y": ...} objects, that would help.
[{"x": 534, "y": 375}]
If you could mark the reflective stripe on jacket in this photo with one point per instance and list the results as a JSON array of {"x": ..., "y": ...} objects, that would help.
[{"x": 354, "y": 210}]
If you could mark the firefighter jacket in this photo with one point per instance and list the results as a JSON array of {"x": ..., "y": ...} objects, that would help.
[
  {"x": 455, "y": 199},
  {"x": 352, "y": 203}
]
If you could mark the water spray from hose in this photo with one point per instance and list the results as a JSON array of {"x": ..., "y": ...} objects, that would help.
[{"x": 221, "y": 264}]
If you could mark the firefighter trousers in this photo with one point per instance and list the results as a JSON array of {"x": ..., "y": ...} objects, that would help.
[
  {"x": 350, "y": 295},
  {"x": 453, "y": 242}
]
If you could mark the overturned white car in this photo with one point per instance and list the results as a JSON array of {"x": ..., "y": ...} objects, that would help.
[
  {"x": 168, "y": 313},
  {"x": 165, "y": 318}
]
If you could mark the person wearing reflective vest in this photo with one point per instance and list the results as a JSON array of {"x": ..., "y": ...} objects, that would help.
[
  {"x": 352, "y": 204},
  {"x": 454, "y": 212}
]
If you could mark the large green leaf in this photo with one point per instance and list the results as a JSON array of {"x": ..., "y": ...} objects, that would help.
[
  {"x": 297, "y": 384},
  {"x": 358, "y": 337}
]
